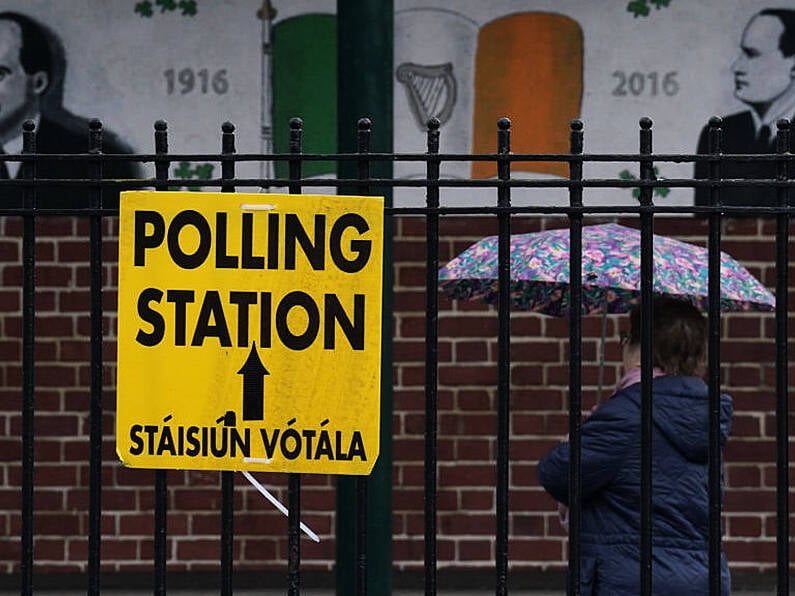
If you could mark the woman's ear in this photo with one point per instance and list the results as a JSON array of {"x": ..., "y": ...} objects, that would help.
[{"x": 631, "y": 356}]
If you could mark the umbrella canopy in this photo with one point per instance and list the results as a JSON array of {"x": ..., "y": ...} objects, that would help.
[{"x": 610, "y": 272}]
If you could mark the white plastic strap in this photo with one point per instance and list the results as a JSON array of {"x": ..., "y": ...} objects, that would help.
[{"x": 275, "y": 502}]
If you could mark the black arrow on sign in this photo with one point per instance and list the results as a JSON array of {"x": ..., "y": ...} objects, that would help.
[{"x": 253, "y": 373}]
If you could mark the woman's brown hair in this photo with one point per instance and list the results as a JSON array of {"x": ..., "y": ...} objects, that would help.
[{"x": 679, "y": 336}]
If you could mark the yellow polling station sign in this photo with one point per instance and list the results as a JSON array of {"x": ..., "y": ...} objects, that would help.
[{"x": 249, "y": 331}]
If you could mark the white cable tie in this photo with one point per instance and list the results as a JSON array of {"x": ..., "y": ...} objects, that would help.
[
  {"x": 257, "y": 207},
  {"x": 275, "y": 502}
]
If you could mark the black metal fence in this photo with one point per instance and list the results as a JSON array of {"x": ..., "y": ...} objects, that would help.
[{"x": 99, "y": 193}]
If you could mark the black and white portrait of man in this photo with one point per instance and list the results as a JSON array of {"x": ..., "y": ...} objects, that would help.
[
  {"x": 32, "y": 71},
  {"x": 764, "y": 80}
]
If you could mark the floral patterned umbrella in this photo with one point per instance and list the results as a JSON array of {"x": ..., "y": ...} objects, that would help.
[{"x": 610, "y": 274}]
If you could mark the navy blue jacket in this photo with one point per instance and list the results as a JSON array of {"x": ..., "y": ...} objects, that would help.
[{"x": 610, "y": 529}]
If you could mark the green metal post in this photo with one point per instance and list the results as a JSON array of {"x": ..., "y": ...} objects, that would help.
[{"x": 364, "y": 89}]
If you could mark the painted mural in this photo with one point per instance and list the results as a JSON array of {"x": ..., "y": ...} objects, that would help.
[{"x": 198, "y": 63}]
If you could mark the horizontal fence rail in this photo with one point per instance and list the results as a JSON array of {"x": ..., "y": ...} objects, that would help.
[{"x": 101, "y": 202}]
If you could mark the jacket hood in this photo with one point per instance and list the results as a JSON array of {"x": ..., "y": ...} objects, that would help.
[{"x": 681, "y": 414}]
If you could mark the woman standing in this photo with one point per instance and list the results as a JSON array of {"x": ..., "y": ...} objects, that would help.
[{"x": 610, "y": 531}]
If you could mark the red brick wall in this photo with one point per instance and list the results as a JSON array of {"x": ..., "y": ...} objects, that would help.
[{"x": 467, "y": 421}]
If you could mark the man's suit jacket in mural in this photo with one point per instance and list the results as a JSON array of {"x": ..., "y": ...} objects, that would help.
[
  {"x": 70, "y": 135},
  {"x": 739, "y": 136}
]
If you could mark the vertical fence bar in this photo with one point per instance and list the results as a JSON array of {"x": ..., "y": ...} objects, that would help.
[
  {"x": 782, "y": 377},
  {"x": 227, "y": 478},
  {"x": 504, "y": 352},
  {"x": 713, "y": 380},
  {"x": 161, "y": 484},
  {"x": 646, "y": 285},
  {"x": 575, "y": 358},
  {"x": 363, "y": 141},
  {"x": 431, "y": 352},
  {"x": 294, "y": 480},
  {"x": 95, "y": 275},
  {"x": 28, "y": 172}
]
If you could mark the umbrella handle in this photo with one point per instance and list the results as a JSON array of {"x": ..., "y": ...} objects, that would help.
[{"x": 601, "y": 356}]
